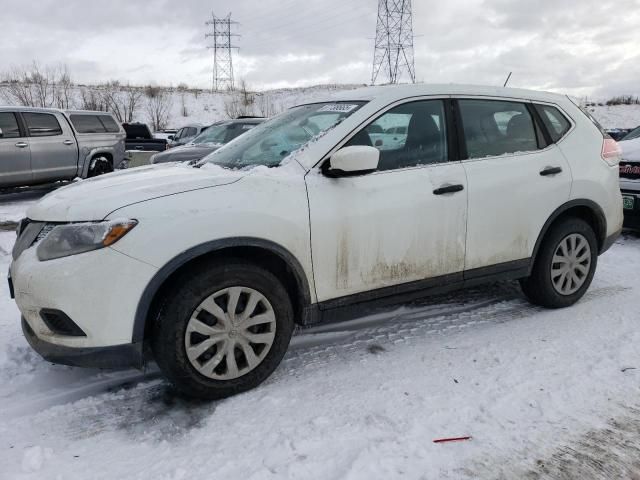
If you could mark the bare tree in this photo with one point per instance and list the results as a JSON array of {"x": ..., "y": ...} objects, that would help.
[
  {"x": 36, "y": 87},
  {"x": 92, "y": 99},
  {"x": 121, "y": 100},
  {"x": 62, "y": 85},
  {"x": 158, "y": 106},
  {"x": 266, "y": 106},
  {"x": 240, "y": 102},
  {"x": 183, "y": 89}
]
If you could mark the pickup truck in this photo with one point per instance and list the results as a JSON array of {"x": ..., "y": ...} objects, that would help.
[
  {"x": 139, "y": 137},
  {"x": 43, "y": 145}
]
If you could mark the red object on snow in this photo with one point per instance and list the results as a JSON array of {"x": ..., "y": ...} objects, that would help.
[{"x": 453, "y": 439}]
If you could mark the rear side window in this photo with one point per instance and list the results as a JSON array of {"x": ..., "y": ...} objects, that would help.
[
  {"x": 87, "y": 124},
  {"x": 42, "y": 124},
  {"x": 9, "y": 125},
  {"x": 109, "y": 123},
  {"x": 494, "y": 128},
  {"x": 556, "y": 123}
]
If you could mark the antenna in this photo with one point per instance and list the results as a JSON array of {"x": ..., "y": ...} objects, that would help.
[
  {"x": 222, "y": 77},
  {"x": 507, "y": 80},
  {"x": 393, "y": 52}
]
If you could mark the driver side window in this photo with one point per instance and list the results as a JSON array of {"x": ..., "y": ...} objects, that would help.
[{"x": 408, "y": 135}]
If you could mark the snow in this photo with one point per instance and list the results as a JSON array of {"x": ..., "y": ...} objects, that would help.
[
  {"x": 542, "y": 394},
  {"x": 617, "y": 116}
]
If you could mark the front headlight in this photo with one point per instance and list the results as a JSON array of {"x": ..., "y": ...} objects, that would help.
[{"x": 74, "y": 238}]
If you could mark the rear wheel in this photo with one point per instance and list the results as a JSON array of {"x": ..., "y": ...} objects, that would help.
[
  {"x": 564, "y": 266},
  {"x": 224, "y": 330},
  {"x": 100, "y": 166}
]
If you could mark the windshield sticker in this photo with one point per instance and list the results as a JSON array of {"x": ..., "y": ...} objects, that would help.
[{"x": 338, "y": 107}]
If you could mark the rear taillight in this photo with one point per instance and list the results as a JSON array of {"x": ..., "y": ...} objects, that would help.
[{"x": 611, "y": 152}]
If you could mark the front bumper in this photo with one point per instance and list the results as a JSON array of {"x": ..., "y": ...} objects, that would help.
[
  {"x": 99, "y": 291},
  {"x": 117, "y": 356},
  {"x": 632, "y": 216}
]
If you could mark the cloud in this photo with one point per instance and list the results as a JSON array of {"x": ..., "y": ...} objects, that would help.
[{"x": 582, "y": 48}]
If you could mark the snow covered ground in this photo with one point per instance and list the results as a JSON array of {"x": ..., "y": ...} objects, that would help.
[{"x": 543, "y": 394}]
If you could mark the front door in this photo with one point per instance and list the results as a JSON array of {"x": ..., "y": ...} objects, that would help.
[
  {"x": 402, "y": 224},
  {"x": 15, "y": 156}
]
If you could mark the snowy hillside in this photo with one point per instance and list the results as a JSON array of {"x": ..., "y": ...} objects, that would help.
[{"x": 200, "y": 106}]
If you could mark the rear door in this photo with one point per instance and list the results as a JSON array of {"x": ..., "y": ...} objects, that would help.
[
  {"x": 54, "y": 152},
  {"x": 15, "y": 155},
  {"x": 516, "y": 178}
]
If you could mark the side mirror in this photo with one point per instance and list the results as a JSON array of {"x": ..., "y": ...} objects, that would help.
[
  {"x": 1, "y": 134},
  {"x": 171, "y": 137},
  {"x": 352, "y": 161}
]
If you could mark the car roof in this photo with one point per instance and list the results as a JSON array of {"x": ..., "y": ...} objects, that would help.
[
  {"x": 391, "y": 93},
  {"x": 86, "y": 112},
  {"x": 17, "y": 108}
]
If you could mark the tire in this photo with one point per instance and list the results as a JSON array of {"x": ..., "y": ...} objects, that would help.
[
  {"x": 177, "y": 333},
  {"x": 99, "y": 166},
  {"x": 545, "y": 286}
]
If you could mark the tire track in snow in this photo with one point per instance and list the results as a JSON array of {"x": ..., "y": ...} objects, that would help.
[{"x": 132, "y": 400}]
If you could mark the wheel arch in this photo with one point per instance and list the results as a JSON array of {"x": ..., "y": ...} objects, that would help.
[
  {"x": 267, "y": 254},
  {"x": 584, "y": 209}
]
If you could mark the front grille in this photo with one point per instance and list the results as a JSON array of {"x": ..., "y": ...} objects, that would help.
[{"x": 45, "y": 231}]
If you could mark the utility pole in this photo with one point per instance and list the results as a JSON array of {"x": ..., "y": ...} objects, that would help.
[
  {"x": 393, "y": 53},
  {"x": 222, "y": 78}
]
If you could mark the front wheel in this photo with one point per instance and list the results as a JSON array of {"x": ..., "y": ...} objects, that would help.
[
  {"x": 564, "y": 266},
  {"x": 224, "y": 329}
]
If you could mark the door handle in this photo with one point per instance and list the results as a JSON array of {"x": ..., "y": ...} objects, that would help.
[
  {"x": 550, "y": 171},
  {"x": 68, "y": 142},
  {"x": 448, "y": 189},
  {"x": 22, "y": 144}
]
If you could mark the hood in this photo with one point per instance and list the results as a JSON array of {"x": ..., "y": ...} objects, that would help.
[
  {"x": 95, "y": 198},
  {"x": 186, "y": 153}
]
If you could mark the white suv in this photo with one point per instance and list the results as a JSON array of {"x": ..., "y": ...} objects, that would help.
[{"x": 317, "y": 216}]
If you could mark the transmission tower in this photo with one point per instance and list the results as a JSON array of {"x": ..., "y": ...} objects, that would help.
[
  {"x": 222, "y": 78},
  {"x": 393, "y": 52}
]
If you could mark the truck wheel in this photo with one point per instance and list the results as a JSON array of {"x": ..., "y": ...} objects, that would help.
[
  {"x": 224, "y": 329},
  {"x": 99, "y": 166},
  {"x": 564, "y": 266}
]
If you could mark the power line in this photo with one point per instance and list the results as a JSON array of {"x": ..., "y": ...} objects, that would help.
[
  {"x": 222, "y": 77},
  {"x": 393, "y": 52}
]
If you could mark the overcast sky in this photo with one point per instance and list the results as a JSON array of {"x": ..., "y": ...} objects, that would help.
[{"x": 582, "y": 47}]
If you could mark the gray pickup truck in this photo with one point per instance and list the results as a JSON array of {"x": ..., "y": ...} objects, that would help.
[{"x": 41, "y": 145}]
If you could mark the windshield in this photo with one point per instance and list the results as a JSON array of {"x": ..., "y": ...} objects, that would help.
[
  {"x": 213, "y": 134},
  {"x": 271, "y": 142},
  {"x": 632, "y": 134}
]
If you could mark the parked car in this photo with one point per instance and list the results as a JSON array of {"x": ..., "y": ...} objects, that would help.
[
  {"x": 39, "y": 145},
  {"x": 618, "y": 133},
  {"x": 185, "y": 134},
  {"x": 212, "y": 264},
  {"x": 166, "y": 134},
  {"x": 208, "y": 141},
  {"x": 630, "y": 178},
  {"x": 139, "y": 137}
]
